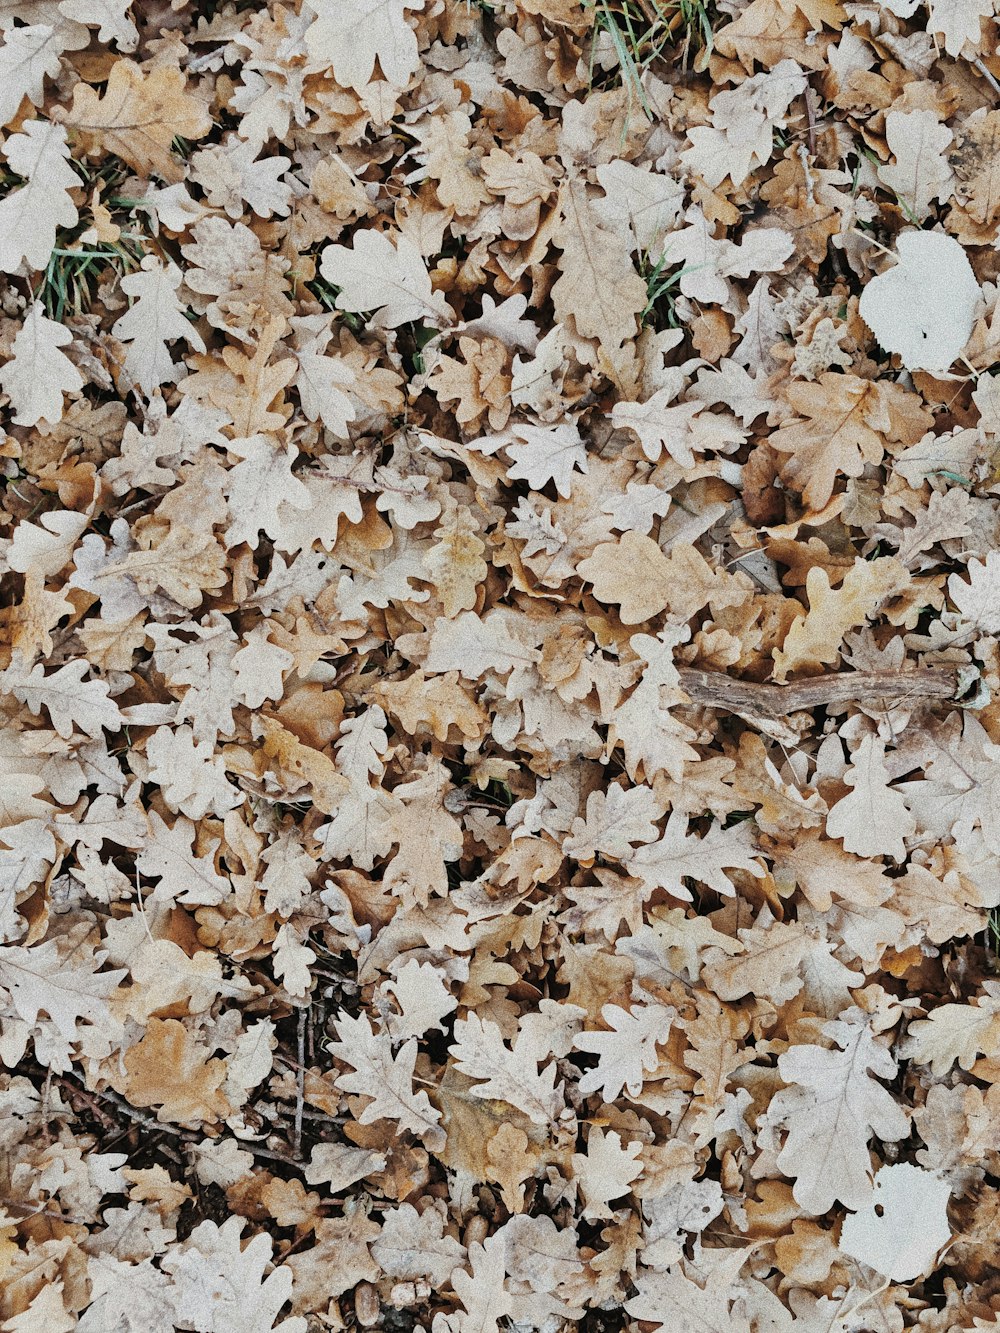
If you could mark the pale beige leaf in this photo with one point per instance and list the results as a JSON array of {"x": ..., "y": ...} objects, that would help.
[
  {"x": 901, "y": 1229},
  {"x": 351, "y": 35},
  {"x": 830, "y": 1110},
  {"x": 920, "y": 174},
  {"x": 599, "y": 289},
  {"x": 954, "y": 1032},
  {"x": 873, "y": 819},
  {"x": 38, "y": 374},
  {"x": 155, "y": 319},
  {"x": 606, "y": 1171},
  {"x": 377, "y": 274}
]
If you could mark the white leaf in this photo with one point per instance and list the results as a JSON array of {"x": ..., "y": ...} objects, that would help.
[
  {"x": 605, "y": 1171},
  {"x": 544, "y": 454},
  {"x": 901, "y": 1229},
  {"x": 350, "y": 35},
  {"x": 68, "y": 991},
  {"x": 221, "y": 1287},
  {"x": 415, "y": 1244},
  {"x": 978, "y": 600},
  {"x": 385, "y": 1078},
  {"x": 377, "y": 275},
  {"x": 258, "y": 486},
  {"x": 27, "y": 57},
  {"x": 110, "y": 17},
  {"x": 615, "y": 819},
  {"x": 959, "y": 23},
  {"x": 921, "y": 172},
  {"x": 71, "y": 701},
  {"x": 480, "y": 1053},
  {"x": 29, "y": 216},
  {"x": 323, "y": 383},
  {"x": 39, "y": 374},
  {"x": 925, "y": 307},
  {"x": 873, "y": 819},
  {"x": 192, "y": 776},
  {"x": 423, "y": 999},
  {"x": 625, "y": 1052},
  {"x": 156, "y": 318},
  {"x": 679, "y": 855},
  {"x": 292, "y": 959},
  {"x": 831, "y": 1109}
]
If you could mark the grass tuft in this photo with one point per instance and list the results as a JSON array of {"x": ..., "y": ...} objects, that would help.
[
  {"x": 661, "y": 293},
  {"x": 642, "y": 30},
  {"x": 70, "y": 280},
  {"x": 993, "y": 933}
]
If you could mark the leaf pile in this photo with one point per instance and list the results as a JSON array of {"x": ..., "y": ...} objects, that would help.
[{"x": 500, "y": 752}]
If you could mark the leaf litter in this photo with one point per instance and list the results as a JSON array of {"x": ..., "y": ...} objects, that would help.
[{"x": 498, "y": 666}]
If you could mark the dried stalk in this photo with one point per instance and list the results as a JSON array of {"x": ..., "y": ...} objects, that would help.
[{"x": 715, "y": 689}]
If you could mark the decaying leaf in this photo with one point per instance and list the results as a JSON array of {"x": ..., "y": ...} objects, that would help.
[{"x": 499, "y": 753}]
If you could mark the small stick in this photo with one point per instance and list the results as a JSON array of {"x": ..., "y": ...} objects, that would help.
[
  {"x": 300, "y": 1084},
  {"x": 978, "y": 64},
  {"x": 717, "y": 690},
  {"x": 46, "y": 1099},
  {"x": 811, "y": 117},
  {"x": 140, "y": 1117}
]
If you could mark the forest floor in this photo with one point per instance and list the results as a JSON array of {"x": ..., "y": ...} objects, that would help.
[{"x": 499, "y": 724}]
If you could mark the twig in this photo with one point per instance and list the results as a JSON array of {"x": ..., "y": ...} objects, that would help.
[
  {"x": 149, "y": 1121},
  {"x": 89, "y": 1100},
  {"x": 246, "y": 1145},
  {"x": 811, "y": 117},
  {"x": 300, "y": 1083},
  {"x": 46, "y": 1107},
  {"x": 717, "y": 690},
  {"x": 140, "y": 1117},
  {"x": 978, "y": 64}
]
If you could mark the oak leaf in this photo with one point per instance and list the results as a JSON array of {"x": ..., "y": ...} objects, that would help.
[
  {"x": 841, "y": 433},
  {"x": 606, "y": 1171},
  {"x": 873, "y": 819},
  {"x": 155, "y": 319},
  {"x": 830, "y": 1109},
  {"x": 69, "y": 991},
  {"x": 385, "y": 1078},
  {"x": 71, "y": 701},
  {"x": 978, "y": 597},
  {"x": 510, "y": 1076},
  {"x": 815, "y": 637},
  {"x": 959, "y": 22},
  {"x": 920, "y": 174},
  {"x": 599, "y": 289},
  {"x": 378, "y": 274},
  {"x": 954, "y": 1032},
  {"x": 169, "y": 1069},
  {"x": 29, "y": 56},
  {"x": 220, "y": 1285},
  {"x": 413, "y": 1245},
  {"x": 615, "y": 819},
  {"x": 678, "y": 855},
  {"x": 31, "y": 216},
  {"x": 110, "y": 17},
  {"x": 632, "y": 573},
  {"x": 626, "y": 1051},
  {"x": 351, "y": 35},
  {"x": 138, "y": 117},
  {"x": 38, "y": 374}
]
